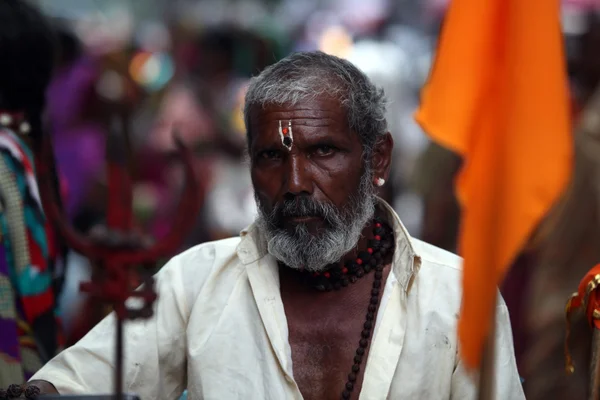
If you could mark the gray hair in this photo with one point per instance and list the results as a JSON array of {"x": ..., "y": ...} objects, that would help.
[{"x": 307, "y": 75}]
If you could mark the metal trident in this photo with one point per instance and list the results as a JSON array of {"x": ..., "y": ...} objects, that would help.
[{"x": 115, "y": 255}]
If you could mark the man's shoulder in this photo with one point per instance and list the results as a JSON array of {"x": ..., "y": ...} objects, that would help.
[
  {"x": 438, "y": 280},
  {"x": 440, "y": 274},
  {"x": 442, "y": 259},
  {"x": 207, "y": 250},
  {"x": 201, "y": 265},
  {"x": 202, "y": 259}
]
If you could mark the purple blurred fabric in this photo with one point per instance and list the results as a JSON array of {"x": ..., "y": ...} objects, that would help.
[
  {"x": 78, "y": 143},
  {"x": 9, "y": 339}
]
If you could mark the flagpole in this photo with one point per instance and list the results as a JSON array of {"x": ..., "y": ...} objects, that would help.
[{"x": 487, "y": 371}]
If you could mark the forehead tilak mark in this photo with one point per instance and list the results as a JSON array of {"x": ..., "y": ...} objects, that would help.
[{"x": 286, "y": 135}]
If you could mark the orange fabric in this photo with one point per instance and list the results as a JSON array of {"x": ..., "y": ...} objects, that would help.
[{"x": 498, "y": 95}]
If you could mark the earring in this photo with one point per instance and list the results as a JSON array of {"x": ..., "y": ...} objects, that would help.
[{"x": 379, "y": 181}]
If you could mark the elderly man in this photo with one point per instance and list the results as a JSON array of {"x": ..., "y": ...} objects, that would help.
[{"x": 325, "y": 296}]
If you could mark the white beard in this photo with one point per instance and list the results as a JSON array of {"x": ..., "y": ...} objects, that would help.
[{"x": 302, "y": 250}]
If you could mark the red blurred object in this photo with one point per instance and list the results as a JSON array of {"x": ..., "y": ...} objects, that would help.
[{"x": 587, "y": 298}]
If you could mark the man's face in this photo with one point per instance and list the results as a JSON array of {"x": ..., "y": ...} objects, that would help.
[{"x": 315, "y": 198}]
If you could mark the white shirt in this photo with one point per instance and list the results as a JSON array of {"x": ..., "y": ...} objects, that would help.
[{"x": 220, "y": 330}]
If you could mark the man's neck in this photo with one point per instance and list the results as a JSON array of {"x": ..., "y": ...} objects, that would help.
[
  {"x": 365, "y": 236},
  {"x": 362, "y": 246},
  {"x": 325, "y": 327}
]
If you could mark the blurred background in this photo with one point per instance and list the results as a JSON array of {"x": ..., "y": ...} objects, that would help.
[
  {"x": 156, "y": 67},
  {"x": 163, "y": 67}
]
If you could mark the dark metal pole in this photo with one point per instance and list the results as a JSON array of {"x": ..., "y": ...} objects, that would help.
[{"x": 119, "y": 361}]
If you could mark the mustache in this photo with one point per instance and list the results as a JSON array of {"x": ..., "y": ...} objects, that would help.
[{"x": 301, "y": 206}]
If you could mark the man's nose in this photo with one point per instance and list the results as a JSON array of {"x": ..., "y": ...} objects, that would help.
[{"x": 299, "y": 181}]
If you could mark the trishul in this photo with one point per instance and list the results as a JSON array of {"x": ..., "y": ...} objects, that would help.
[
  {"x": 115, "y": 254},
  {"x": 120, "y": 212}
]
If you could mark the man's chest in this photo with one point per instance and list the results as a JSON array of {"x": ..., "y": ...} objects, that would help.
[
  {"x": 324, "y": 358},
  {"x": 329, "y": 341},
  {"x": 257, "y": 348}
]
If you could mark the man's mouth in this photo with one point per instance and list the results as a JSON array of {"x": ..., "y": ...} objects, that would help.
[{"x": 303, "y": 218}]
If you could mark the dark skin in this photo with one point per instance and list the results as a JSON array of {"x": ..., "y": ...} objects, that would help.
[{"x": 325, "y": 163}]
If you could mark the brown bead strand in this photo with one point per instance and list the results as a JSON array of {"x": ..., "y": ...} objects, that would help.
[
  {"x": 16, "y": 391},
  {"x": 365, "y": 334},
  {"x": 32, "y": 392},
  {"x": 337, "y": 276}
]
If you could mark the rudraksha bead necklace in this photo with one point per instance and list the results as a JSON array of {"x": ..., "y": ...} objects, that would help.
[
  {"x": 336, "y": 277},
  {"x": 16, "y": 391}
]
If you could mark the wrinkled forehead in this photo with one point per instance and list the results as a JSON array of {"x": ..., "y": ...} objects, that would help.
[{"x": 321, "y": 111}]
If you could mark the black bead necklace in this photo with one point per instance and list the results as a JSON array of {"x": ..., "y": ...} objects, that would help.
[{"x": 336, "y": 277}]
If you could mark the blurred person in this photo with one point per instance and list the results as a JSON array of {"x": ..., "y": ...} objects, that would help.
[
  {"x": 290, "y": 308},
  {"x": 217, "y": 83},
  {"x": 215, "y": 65},
  {"x": 78, "y": 126},
  {"x": 230, "y": 204},
  {"x": 434, "y": 178},
  {"x": 78, "y": 134},
  {"x": 224, "y": 58},
  {"x": 29, "y": 329},
  {"x": 91, "y": 98},
  {"x": 190, "y": 109},
  {"x": 395, "y": 67},
  {"x": 183, "y": 113},
  {"x": 586, "y": 66}
]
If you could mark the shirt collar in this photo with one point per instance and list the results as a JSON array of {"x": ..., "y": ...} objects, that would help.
[{"x": 405, "y": 264}]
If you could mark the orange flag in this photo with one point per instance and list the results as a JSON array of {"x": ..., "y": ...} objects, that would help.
[{"x": 498, "y": 95}]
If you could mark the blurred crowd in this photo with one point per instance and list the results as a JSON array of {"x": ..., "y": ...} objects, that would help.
[{"x": 185, "y": 75}]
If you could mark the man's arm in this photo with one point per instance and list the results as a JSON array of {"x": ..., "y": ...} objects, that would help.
[
  {"x": 507, "y": 381},
  {"x": 154, "y": 362}
]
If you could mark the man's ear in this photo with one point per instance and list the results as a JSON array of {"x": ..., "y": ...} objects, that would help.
[{"x": 381, "y": 159}]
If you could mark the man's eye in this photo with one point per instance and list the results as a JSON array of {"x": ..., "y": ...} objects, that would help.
[
  {"x": 324, "y": 150},
  {"x": 270, "y": 155}
]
